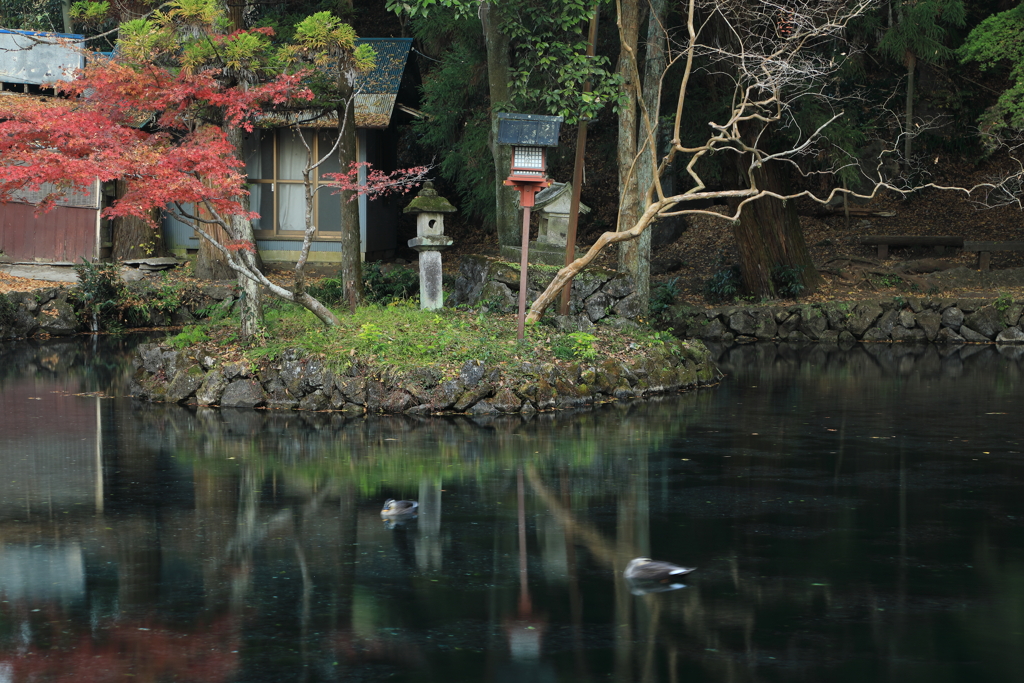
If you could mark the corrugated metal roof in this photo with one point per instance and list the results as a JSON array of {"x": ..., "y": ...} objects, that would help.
[
  {"x": 378, "y": 89},
  {"x": 37, "y": 58}
]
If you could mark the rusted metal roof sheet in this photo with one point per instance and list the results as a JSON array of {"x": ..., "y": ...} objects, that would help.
[
  {"x": 378, "y": 89},
  {"x": 36, "y": 58}
]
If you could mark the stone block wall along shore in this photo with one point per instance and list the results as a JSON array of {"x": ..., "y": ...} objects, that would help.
[
  {"x": 597, "y": 295},
  {"x": 901, "y": 319},
  {"x": 304, "y": 382},
  {"x": 54, "y": 312}
]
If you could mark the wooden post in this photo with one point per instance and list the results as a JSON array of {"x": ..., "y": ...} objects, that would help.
[
  {"x": 577, "y": 176},
  {"x": 523, "y": 266}
]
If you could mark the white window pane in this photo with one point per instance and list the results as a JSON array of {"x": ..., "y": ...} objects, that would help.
[
  {"x": 291, "y": 154},
  {"x": 291, "y": 208}
]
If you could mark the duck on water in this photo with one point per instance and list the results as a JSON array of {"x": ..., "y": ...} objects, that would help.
[
  {"x": 399, "y": 508},
  {"x": 645, "y": 575}
]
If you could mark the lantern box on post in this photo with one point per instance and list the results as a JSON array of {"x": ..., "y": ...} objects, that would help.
[{"x": 528, "y": 134}]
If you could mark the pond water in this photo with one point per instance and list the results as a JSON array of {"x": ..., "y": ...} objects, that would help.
[{"x": 854, "y": 516}]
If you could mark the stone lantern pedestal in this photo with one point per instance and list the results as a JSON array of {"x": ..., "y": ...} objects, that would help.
[
  {"x": 552, "y": 208},
  {"x": 429, "y": 241}
]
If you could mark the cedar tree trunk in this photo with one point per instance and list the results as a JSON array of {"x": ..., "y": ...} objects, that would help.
[
  {"x": 251, "y": 300},
  {"x": 133, "y": 237},
  {"x": 637, "y": 253},
  {"x": 769, "y": 236},
  {"x": 498, "y": 65},
  {"x": 632, "y": 257},
  {"x": 911, "y": 68}
]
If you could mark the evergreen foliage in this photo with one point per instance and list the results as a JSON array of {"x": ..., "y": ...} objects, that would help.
[
  {"x": 457, "y": 125},
  {"x": 997, "y": 43},
  {"x": 922, "y": 30},
  {"x": 32, "y": 15}
]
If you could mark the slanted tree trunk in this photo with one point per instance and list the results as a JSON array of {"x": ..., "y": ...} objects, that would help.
[
  {"x": 632, "y": 256},
  {"x": 133, "y": 237},
  {"x": 769, "y": 238},
  {"x": 498, "y": 66},
  {"x": 210, "y": 263}
]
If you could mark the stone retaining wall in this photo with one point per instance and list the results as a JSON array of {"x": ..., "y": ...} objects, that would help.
[
  {"x": 298, "y": 382},
  {"x": 55, "y": 312},
  {"x": 597, "y": 294},
  {"x": 917, "y": 319}
]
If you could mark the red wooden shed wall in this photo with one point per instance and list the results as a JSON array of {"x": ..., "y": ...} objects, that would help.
[{"x": 62, "y": 234}]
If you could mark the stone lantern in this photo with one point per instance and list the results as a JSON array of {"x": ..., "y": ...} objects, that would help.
[
  {"x": 429, "y": 241},
  {"x": 552, "y": 205}
]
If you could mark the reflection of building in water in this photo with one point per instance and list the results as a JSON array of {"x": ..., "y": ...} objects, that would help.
[
  {"x": 42, "y": 574},
  {"x": 54, "y": 467}
]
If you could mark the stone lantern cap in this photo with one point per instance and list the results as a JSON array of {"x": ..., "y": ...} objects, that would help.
[
  {"x": 428, "y": 201},
  {"x": 557, "y": 198}
]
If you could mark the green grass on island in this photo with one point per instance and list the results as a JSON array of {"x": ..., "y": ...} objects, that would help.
[{"x": 401, "y": 336}]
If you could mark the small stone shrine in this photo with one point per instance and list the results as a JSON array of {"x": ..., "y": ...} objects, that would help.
[
  {"x": 430, "y": 239},
  {"x": 552, "y": 209}
]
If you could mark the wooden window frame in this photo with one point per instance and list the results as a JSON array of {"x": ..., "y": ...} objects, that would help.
[{"x": 273, "y": 184}]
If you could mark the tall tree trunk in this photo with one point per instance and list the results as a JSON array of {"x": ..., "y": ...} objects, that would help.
[
  {"x": 65, "y": 13},
  {"x": 636, "y": 254},
  {"x": 629, "y": 191},
  {"x": 133, "y": 237},
  {"x": 351, "y": 271},
  {"x": 769, "y": 237},
  {"x": 911, "y": 68},
  {"x": 498, "y": 67}
]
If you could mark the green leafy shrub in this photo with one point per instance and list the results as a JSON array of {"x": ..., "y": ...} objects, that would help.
[
  {"x": 137, "y": 305},
  {"x": 379, "y": 286},
  {"x": 7, "y": 310},
  {"x": 383, "y": 287},
  {"x": 189, "y": 336},
  {"x": 1002, "y": 302},
  {"x": 329, "y": 291},
  {"x": 888, "y": 281},
  {"x": 787, "y": 280},
  {"x": 664, "y": 295},
  {"x": 724, "y": 285},
  {"x": 99, "y": 288},
  {"x": 371, "y": 337},
  {"x": 575, "y": 346}
]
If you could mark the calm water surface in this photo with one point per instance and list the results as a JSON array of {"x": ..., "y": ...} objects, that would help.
[{"x": 855, "y": 516}]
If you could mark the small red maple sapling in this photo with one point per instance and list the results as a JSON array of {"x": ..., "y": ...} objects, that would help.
[{"x": 377, "y": 183}]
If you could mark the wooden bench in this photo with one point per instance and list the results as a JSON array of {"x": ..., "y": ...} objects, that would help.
[
  {"x": 883, "y": 242},
  {"x": 985, "y": 250}
]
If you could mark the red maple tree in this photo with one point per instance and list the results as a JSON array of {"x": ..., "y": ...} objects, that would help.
[{"x": 164, "y": 130}]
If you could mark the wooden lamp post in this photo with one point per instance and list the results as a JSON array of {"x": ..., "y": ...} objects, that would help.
[{"x": 529, "y": 135}]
